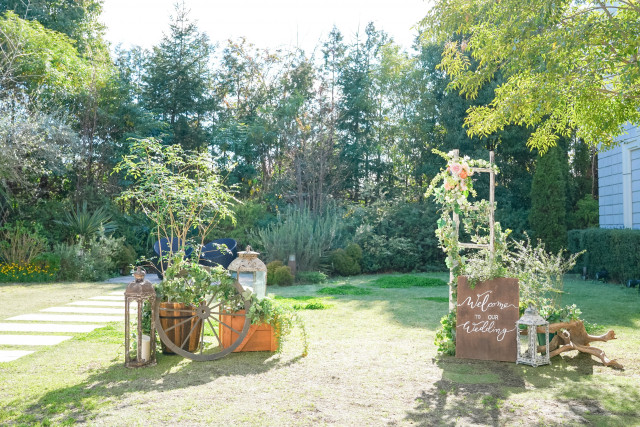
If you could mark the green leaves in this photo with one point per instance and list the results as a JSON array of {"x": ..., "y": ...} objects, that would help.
[
  {"x": 567, "y": 65},
  {"x": 180, "y": 191}
]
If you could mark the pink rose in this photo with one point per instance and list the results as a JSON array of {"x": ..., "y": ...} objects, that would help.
[{"x": 456, "y": 168}]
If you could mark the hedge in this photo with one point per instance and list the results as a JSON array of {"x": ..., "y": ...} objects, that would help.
[{"x": 616, "y": 250}]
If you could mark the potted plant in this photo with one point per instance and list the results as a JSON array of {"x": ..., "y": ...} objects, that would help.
[
  {"x": 187, "y": 283},
  {"x": 271, "y": 323}
]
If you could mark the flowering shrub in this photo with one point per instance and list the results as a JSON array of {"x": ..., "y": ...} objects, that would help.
[{"x": 26, "y": 273}]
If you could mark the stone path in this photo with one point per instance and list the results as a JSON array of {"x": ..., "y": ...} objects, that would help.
[{"x": 76, "y": 317}]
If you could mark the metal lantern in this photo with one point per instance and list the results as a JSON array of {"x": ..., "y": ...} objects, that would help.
[
  {"x": 248, "y": 262},
  {"x": 139, "y": 291},
  {"x": 527, "y": 344}
]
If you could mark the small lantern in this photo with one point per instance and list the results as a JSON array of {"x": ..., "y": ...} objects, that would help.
[
  {"x": 527, "y": 345},
  {"x": 248, "y": 262},
  {"x": 139, "y": 291}
]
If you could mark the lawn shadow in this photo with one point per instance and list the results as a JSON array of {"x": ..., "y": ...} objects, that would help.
[
  {"x": 82, "y": 402},
  {"x": 474, "y": 392}
]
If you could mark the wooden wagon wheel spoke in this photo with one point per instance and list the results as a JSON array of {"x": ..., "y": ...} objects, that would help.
[
  {"x": 214, "y": 332},
  {"x": 229, "y": 327},
  {"x": 181, "y": 323}
]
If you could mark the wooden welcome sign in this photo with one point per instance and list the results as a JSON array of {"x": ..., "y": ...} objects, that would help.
[{"x": 486, "y": 319}]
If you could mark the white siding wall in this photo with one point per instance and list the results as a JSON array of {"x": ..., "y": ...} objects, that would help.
[
  {"x": 619, "y": 183},
  {"x": 635, "y": 187}
]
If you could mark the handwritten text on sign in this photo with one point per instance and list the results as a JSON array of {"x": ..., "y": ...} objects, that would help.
[{"x": 486, "y": 319}]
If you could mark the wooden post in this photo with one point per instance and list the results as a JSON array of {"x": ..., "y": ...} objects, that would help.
[{"x": 453, "y": 281}]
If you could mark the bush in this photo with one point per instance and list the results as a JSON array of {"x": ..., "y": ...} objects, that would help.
[
  {"x": 354, "y": 251},
  {"x": 343, "y": 264},
  {"x": 271, "y": 269},
  {"x": 301, "y": 232},
  {"x": 91, "y": 261},
  {"x": 25, "y": 273},
  {"x": 617, "y": 251},
  {"x": 397, "y": 236},
  {"x": 20, "y": 244},
  {"x": 313, "y": 277},
  {"x": 282, "y": 276}
]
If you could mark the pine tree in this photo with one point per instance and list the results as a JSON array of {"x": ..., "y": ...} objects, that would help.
[
  {"x": 548, "y": 201},
  {"x": 178, "y": 81}
]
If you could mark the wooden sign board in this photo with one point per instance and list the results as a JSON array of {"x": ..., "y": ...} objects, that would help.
[{"x": 486, "y": 319}]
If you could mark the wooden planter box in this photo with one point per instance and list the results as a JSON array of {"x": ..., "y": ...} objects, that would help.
[
  {"x": 259, "y": 338},
  {"x": 172, "y": 314}
]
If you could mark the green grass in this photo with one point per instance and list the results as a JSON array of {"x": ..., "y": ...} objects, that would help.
[
  {"x": 407, "y": 281},
  {"x": 344, "y": 290},
  {"x": 305, "y": 302},
  {"x": 371, "y": 362},
  {"x": 436, "y": 299}
]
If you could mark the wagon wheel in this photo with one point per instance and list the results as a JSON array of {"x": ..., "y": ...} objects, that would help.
[{"x": 208, "y": 331}]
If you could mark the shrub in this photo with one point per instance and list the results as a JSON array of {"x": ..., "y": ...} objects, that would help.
[
  {"x": 397, "y": 236},
  {"x": 343, "y": 264},
  {"x": 271, "y": 268},
  {"x": 617, "y": 251},
  {"x": 25, "y": 273},
  {"x": 313, "y": 277},
  {"x": 20, "y": 244},
  {"x": 301, "y": 232},
  {"x": 407, "y": 281},
  {"x": 92, "y": 261},
  {"x": 344, "y": 290},
  {"x": 282, "y": 276},
  {"x": 354, "y": 251}
]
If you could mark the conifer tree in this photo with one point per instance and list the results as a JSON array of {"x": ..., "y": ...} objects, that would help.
[{"x": 548, "y": 201}]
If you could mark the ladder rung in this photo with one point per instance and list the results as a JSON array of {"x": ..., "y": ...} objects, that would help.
[
  {"x": 473, "y": 246},
  {"x": 482, "y": 170}
]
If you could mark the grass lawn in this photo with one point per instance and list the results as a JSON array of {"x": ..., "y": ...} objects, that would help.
[{"x": 371, "y": 362}]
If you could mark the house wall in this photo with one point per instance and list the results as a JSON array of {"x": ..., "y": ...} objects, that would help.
[{"x": 619, "y": 183}]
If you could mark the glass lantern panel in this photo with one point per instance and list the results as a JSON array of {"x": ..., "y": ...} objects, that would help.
[{"x": 260, "y": 284}]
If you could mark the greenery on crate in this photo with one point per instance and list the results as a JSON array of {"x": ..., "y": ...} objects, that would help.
[
  {"x": 281, "y": 317},
  {"x": 188, "y": 282}
]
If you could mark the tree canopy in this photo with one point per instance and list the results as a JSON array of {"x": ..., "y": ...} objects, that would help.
[{"x": 567, "y": 65}]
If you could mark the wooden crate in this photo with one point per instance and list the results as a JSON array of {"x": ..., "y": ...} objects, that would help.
[{"x": 259, "y": 338}]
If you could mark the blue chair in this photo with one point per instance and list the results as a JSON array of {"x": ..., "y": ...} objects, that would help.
[
  {"x": 163, "y": 249},
  {"x": 214, "y": 253}
]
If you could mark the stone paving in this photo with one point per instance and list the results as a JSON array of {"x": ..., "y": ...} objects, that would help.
[{"x": 74, "y": 318}]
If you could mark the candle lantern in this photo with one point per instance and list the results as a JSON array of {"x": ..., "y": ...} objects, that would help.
[
  {"x": 248, "y": 262},
  {"x": 139, "y": 292},
  {"x": 527, "y": 336}
]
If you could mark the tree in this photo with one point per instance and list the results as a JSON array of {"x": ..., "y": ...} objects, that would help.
[
  {"x": 548, "y": 201},
  {"x": 77, "y": 19},
  {"x": 567, "y": 65},
  {"x": 178, "y": 80}
]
